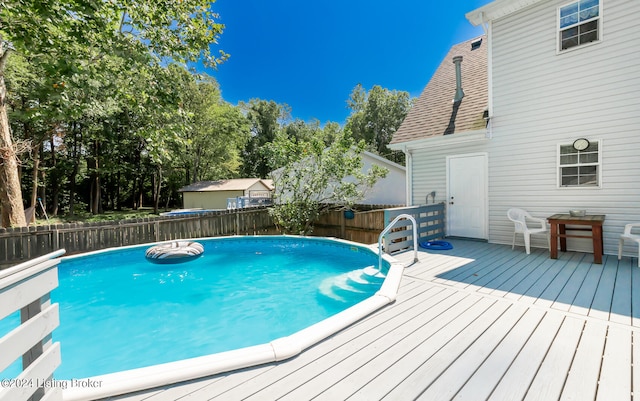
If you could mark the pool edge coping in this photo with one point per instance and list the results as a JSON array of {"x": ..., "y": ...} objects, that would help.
[{"x": 146, "y": 378}]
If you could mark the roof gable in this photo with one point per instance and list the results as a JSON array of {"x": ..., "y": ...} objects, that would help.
[
  {"x": 434, "y": 112},
  {"x": 238, "y": 184},
  {"x": 497, "y": 9},
  {"x": 382, "y": 162}
]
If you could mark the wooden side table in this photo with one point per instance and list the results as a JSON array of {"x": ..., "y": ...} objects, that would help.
[{"x": 592, "y": 223}]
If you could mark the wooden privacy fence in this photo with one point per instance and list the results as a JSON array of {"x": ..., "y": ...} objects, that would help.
[
  {"x": 27, "y": 288},
  {"x": 20, "y": 244},
  {"x": 366, "y": 225}
]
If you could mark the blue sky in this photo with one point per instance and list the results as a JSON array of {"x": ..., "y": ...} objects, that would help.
[{"x": 310, "y": 55}]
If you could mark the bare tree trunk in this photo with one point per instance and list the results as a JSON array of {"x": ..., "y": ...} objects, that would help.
[
  {"x": 55, "y": 184},
  {"x": 76, "y": 166},
  {"x": 93, "y": 166},
  {"x": 157, "y": 185},
  {"x": 42, "y": 189},
  {"x": 35, "y": 174},
  {"x": 10, "y": 191},
  {"x": 118, "y": 200}
]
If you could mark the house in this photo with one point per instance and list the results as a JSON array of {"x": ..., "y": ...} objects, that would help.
[
  {"x": 546, "y": 75},
  {"x": 390, "y": 190},
  {"x": 214, "y": 194}
]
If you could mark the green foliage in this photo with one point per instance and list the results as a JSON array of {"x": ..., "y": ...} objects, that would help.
[
  {"x": 265, "y": 118},
  {"x": 104, "y": 85},
  {"x": 216, "y": 132},
  {"x": 375, "y": 117},
  {"x": 101, "y": 91},
  {"x": 85, "y": 217},
  {"x": 316, "y": 178}
]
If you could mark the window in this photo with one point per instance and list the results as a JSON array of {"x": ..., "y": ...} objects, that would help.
[
  {"x": 476, "y": 44},
  {"x": 579, "y": 168},
  {"x": 579, "y": 23}
]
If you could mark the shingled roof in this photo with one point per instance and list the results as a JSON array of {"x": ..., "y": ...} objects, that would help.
[
  {"x": 238, "y": 184},
  {"x": 435, "y": 113}
]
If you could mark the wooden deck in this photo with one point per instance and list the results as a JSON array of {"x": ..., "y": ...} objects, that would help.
[{"x": 477, "y": 322}]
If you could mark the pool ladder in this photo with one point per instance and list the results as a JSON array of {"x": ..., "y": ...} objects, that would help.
[{"x": 389, "y": 227}]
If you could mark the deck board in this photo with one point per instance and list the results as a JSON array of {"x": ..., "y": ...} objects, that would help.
[
  {"x": 635, "y": 358},
  {"x": 551, "y": 376},
  {"x": 456, "y": 375},
  {"x": 508, "y": 282},
  {"x": 615, "y": 375},
  {"x": 481, "y": 321},
  {"x": 361, "y": 337},
  {"x": 582, "y": 302},
  {"x": 559, "y": 283},
  {"x": 496, "y": 272},
  {"x": 518, "y": 378},
  {"x": 635, "y": 294},
  {"x": 428, "y": 337},
  {"x": 539, "y": 283},
  {"x": 620, "y": 305},
  {"x": 496, "y": 365},
  {"x": 540, "y": 267},
  {"x": 421, "y": 326},
  {"x": 582, "y": 380},
  {"x": 572, "y": 287},
  {"x": 601, "y": 306},
  {"x": 404, "y": 378}
]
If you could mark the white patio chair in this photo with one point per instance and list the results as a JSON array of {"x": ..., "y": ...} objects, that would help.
[
  {"x": 520, "y": 218},
  {"x": 631, "y": 237}
]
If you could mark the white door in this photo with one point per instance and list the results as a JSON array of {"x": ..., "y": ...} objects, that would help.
[{"x": 467, "y": 196}]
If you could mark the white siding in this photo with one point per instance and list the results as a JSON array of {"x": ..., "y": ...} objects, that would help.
[
  {"x": 390, "y": 190},
  {"x": 542, "y": 98},
  {"x": 429, "y": 166}
]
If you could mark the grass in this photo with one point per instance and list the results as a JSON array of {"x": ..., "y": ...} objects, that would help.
[{"x": 86, "y": 217}]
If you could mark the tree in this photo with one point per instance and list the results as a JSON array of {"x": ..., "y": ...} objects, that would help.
[
  {"x": 375, "y": 116},
  {"x": 10, "y": 191},
  {"x": 74, "y": 37},
  {"x": 265, "y": 118},
  {"x": 316, "y": 178},
  {"x": 216, "y": 132}
]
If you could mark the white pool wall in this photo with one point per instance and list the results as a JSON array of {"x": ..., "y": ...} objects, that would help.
[{"x": 133, "y": 380}]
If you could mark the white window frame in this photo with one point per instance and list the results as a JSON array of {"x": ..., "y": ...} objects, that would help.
[
  {"x": 598, "y": 165},
  {"x": 559, "y": 49}
]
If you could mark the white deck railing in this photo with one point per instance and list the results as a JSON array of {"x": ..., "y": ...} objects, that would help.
[
  {"x": 389, "y": 227},
  {"x": 430, "y": 220},
  {"x": 27, "y": 288}
]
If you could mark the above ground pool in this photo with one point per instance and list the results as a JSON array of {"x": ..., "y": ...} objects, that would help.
[
  {"x": 185, "y": 212},
  {"x": 268, "y": 297}
]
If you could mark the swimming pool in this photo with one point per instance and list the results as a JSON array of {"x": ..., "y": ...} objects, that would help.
[
  {"x": 184, "y": 212},
  {"x": 164, "y": 296}
]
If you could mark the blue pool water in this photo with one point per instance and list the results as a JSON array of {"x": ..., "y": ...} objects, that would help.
[
  {"x": 188, "y": 212},
  {"x": 118, "y": 311}
]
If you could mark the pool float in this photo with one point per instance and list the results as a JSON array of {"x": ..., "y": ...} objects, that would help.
[
  {"x": 436, "y": 245},
  {"x": 174, "y": 252}
]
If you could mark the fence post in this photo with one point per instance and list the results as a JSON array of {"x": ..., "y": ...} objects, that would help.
[{"x": 55, "y": 240}]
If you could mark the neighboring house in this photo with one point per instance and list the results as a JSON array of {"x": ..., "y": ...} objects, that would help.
[
  {"x": 214, "y": 194},
  {"x": 546, "y": 74},
  {"x": 390, "y": 190}
]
